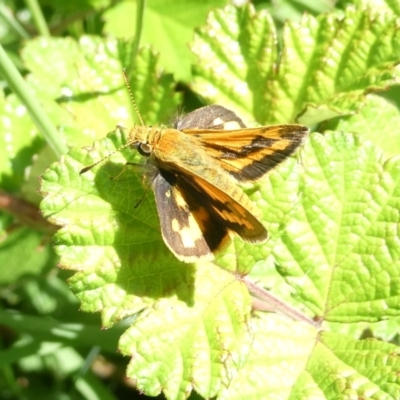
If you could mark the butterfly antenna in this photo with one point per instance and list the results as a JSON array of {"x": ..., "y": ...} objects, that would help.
[
  {"x": 89, "y": 167},
  {"x": 128, "y": 86}
]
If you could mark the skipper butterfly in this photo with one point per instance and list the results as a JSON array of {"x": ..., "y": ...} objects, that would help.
[{"x": 199, "y": 164}]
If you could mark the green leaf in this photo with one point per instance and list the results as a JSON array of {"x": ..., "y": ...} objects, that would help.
[
  {"x": 293, "y": 10},
  {"x": 376, "y": 120},
  {"x": 330, "y": 61},
  {"x": 293, "y": 361},
  {"x": 380, "y": 6},
  {"x": 18, "y": 143},
  {"x": 340, "y": 252},
  {"x": 123, "y": 272},
  {"x": 176, "y": 347},
  {"x": 90, "y": 88},
  {"x": 339, "y": 368},
  {"x": 278, "y": 356},
  {"x": 167, "y": 27},
  {"x": 23, "y": 252}
]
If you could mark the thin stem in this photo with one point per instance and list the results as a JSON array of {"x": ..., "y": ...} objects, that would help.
[
  {"x": 36, "y": 112},
  {"x": 38, "y": 17},
  {"x": 276, "y": 305},
  {"x": 140, "y": 4},
  {"x": 13, "y": 23},
  {"x": 26, "y": 213}
]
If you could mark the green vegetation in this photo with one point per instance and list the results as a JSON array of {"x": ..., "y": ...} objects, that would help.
[{"x": 192, "y": 330}]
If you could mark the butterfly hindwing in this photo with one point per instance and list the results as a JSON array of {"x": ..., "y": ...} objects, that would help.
[
  {"x": 196, "y": 217},
  {"x": 210, "y": 117},
  {"x": 187, "y": 229}
]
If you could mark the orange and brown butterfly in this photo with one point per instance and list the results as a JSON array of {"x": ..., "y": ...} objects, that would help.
[{"x": 199, "y": 164}]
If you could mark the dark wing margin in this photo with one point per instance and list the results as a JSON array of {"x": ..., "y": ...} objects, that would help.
[{"x": 209, "y": 117}]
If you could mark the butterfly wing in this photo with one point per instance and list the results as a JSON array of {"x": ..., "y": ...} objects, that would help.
[
  {"x": 246, "y": 153},
  {"x": 231, "y": 208},
  {"x": 196, "y": 217},
  {"x": 186, "y": 226},
  {"x": 210, "y": 117},
  {"x": 249, "y": 153},
  {"x": 197, "y": 198}
]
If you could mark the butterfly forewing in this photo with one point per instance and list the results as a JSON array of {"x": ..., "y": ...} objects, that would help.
[
  {"x": 248, "y": 154},
  {"x": 232, "y": 208}
]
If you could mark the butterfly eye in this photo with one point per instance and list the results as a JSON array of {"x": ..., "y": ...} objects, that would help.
[{"x": 144, "y": 149}]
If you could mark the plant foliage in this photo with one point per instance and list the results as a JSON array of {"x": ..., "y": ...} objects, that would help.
[{"x": 332, "y": 213}]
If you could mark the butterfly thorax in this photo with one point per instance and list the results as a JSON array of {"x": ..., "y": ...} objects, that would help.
[{"x": 166, "y": 144}]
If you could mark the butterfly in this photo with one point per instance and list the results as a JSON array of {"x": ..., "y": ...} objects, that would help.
[{"x": 199, "y": 164}]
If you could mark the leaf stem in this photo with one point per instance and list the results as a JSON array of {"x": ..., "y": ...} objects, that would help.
[
  {"x": 276, "y": 305},
  {"x": 26, "y": 213}
]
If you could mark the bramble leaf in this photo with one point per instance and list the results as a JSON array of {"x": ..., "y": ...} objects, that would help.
[
  {"x": 341, "y": 250},
  {"x": 324, "y": 69},
  {"x": 174, "y": 21}
]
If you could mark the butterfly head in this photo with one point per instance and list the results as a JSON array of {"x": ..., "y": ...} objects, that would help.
[{"x": 142, "y": 139}]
